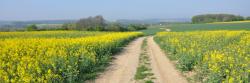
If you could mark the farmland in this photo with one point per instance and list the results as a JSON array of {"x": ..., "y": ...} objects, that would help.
[
  {"x": 208, "y": 27},
  {"x": 232, "y": 22},
  {"x": 125, "y": 41},
  {"x": 206, "y": 53},
  {"x": 214, "y": 56},
  {"x": 57, "y": 56},
  {"x": 48, "y": 34}
]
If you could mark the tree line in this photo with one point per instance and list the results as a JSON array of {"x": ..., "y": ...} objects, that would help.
[
  {"x": 97, "y": 23},
  {"x": 208, "y": 18}
]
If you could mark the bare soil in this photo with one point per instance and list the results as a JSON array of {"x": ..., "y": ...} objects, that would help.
[
  {"x": 123, "y": 68},
  {"x": 162, "y": 67}
]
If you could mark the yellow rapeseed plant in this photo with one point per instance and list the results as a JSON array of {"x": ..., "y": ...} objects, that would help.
[
  {"x": 56, "y": 56},
  {"x": 220, "y": 56}
]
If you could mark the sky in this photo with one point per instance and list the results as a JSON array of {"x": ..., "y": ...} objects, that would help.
[{"x": 117, "y": 9}]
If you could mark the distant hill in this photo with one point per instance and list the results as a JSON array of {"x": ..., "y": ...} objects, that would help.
[
  {"x": 20, "y": 24},
  {"x": 153, "y": 21}
]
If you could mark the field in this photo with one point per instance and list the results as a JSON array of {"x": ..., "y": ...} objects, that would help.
[
  {"x": 128, "y": 41},
  {"x": 152, "y": 30},
  {"x": 213, "y": 56},
  {"x": 245, "y": 21},
  {"x": 57, "y": 56},
  {"x": 48, "y": 34},
  {"x": 206, "y": 27},
  {"x": 203, "y": 53}
]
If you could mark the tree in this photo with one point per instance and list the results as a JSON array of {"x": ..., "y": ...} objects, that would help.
[
  {"x": 31, "y": 27},
  {"x": 248, "y": 18},
  {"x": 134, "y": 27},
  {"x": 69, "y": 26},
  {"x": 238, "y": 18},
  {"x": 96, "y": 23},
  {"x": 208, "y": 18},
  {"x": 99, "y": 23},
  {"x": 115, "y": 27}
]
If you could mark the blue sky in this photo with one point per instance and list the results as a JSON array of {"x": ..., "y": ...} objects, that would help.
[{"x": 117, "y": 9}]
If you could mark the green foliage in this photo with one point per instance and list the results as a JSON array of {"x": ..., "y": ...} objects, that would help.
[
  {"x": 208, "y": 18},
  {"x": 32, "y": 27},
  {"x": 115, "y": 27},
  {"x": 96, "y": 23},
  {"x": 140, "y": 73},
  {"x": 149, "y": 81},
  {"x": 248, "y": 18},
  {"x": 134, "y": 27},
  {"x": 69, "y": 26}
]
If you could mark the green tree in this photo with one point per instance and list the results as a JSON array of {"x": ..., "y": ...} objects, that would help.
[
  {"x": 115, "y": 27},
  {"x": 131, "y": 27},
  {"x": 248, "y": 18},
  {"x": 69, "y": 26},
  {"x": 134, "y": 27},
  {"x": 96, "y": 23},
  {"x": 31, "y": 27},
  {"x": 208, "y": 18}
]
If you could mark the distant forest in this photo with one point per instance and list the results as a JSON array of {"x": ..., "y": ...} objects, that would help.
[
  {"x": 208, "y": 18},
  {"x": 96, "y": 23}
]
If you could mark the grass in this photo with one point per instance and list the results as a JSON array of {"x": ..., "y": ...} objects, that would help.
[
  {"x": 245, "y": 21},
  {"x": 140, "y": 73},
  {"x": 144, "y": 72},
  {"x": 208, "y": 27},
  {"x": 182, "y": 27},
  {"x": 149, "y": 81}
]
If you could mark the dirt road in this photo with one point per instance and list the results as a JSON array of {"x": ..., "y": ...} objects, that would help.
[
  {"x": 163, "y": 69},
  {"x": 123, "y": 68}
]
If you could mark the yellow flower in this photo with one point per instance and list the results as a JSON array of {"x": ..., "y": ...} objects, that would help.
[
  {"x": 221, "y": 53},
  {"x": 48, "y": 55}
]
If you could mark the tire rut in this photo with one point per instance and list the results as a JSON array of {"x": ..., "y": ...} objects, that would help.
[
  {"x": 123, "y": 67},
  {"x": 162, "y": 67}
]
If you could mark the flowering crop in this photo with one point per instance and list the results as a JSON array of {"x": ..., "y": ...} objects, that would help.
[
  {"x": 216, "y": 56},
  {"x": 54, "y": 58},
  {"x": 48, "y": 34}
]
